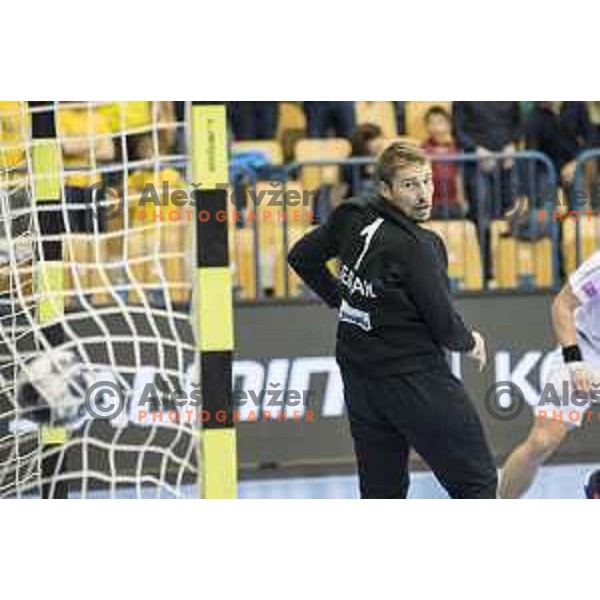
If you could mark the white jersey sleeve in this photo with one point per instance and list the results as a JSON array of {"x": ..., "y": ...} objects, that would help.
[{"x": 585, "y": 281}]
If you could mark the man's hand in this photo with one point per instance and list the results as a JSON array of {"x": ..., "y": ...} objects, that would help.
[
  {"x": 508, "y": 162},
  {"x": 487, "y": 163},
  {"x": 581, "y": 376},
  {"x": 479, "y": 352},
  {"x": 567, "y": 173}
]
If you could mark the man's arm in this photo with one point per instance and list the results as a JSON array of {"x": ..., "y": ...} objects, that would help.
[
  {"x": 563, "y": 316},
  {"x": 428, "y": 287},
  {"x": 309, "y": 258},
  {"x": 563, "y": 321}
]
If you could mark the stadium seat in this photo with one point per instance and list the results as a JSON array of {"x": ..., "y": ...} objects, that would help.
[
  {"x": 519, "y": 263},
  {"x": 291, "y": 118},
  {"x": 271, "y": 194},
  {"x": 272, "y": 261},
  {"x": 138, "y": 252},
  {"x": 382, "y": 114},
  {"x": 243, "y": 263},
  {"x": 415, "y": 112},
  {"x": 296, "y": 285},
  {"x": 464, "y": 256},
  {"x": 87, "y": 268},
  {"x": 168, "y": 277},
  {"x": 589, "y": 240},
  {"x": 146, "y": 230},
  {"x": 273, "y": 258},
  {"x": 14, "y": 122},
  {"x": 334, "y": 149},
  {"x": 270, "y": 148}
]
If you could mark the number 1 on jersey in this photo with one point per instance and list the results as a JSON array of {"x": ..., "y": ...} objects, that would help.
[{"x": 368, "y": 232}]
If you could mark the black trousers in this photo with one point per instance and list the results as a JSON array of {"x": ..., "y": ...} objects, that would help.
[{"x": 429, "y": 411}]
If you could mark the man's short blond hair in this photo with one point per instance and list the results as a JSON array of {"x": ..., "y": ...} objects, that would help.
[{"x": 398, "y": 156}]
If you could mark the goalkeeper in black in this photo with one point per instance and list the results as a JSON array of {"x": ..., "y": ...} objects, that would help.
[{"x": 396, "y": 324}]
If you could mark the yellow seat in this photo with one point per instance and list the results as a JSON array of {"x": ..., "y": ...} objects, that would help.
[
  {"x": 291, "y": 117},
  {"x": 464, "y": 256},
  {"x": 273, "y": 260},
  {"x": 270, "y": 148},
  {"x": 414, "y": 116},
  {"x": 158, "y": 238},
  {"x": 140, "y": 250},
  {"x": 242, "y": 261},
  {"x": 382, "y": 114},
  {"x": 516, "y": 262},
  {"x": 589, "y": 240},
  {"x": 296, "y": 285},
  {"x": 271, "y": 200},
  {"x": 333, "y": 149},
  {"x": 86, "y": 272}
]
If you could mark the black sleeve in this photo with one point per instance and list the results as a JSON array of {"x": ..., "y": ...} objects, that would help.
[
  {"x": 532, "y": 130},
  {"x": 309, "y": 257},
  {"x": 517, "y": 123},
  {"x": 428, "y": 287},
  {"x": 586, "y": 128}
]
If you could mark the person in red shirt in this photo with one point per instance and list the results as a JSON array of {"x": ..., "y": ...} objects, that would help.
[{"x": 449, "y": 197}]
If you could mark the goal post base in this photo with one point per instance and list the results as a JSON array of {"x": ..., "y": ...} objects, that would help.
[{"x": 219, "y": 471}]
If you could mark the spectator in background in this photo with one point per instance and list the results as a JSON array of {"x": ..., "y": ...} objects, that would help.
[
  {"x": 592, "y": 487},
  {"x": 325, "y": 118},
  {"x": 560, "y": 130},
  {"x": 400, "y": 107},
  {"x": 254, "y": 120},
  {"x": 367, "y": 142},
  {"x": 86, "y": 143},
  {"x": 133, "y": 121},
  {"x": 449, "y": 197},
  {"x": 486, "y": 128},
  {"x": 594, "y": 115}
]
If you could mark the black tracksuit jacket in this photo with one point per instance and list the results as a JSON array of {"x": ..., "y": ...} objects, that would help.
[{"x": 392, "y": 292}]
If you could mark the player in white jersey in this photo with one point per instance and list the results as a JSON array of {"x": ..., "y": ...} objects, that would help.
[{"x": 574, "y": 370}]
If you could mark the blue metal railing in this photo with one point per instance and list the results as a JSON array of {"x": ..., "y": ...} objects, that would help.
[
  {"x": 535, "y": 178},
  {"x": 581, "y": 195}
]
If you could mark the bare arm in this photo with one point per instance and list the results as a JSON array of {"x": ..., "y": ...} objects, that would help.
[
  {"x": 563, "y": 316},
  {"x": 563, "y": 321}
]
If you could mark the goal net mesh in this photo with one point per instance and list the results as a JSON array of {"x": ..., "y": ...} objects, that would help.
[{"x": 92, "y": 409}]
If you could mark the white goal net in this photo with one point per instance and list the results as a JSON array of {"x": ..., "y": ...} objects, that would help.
[{"x": 97, "y": 351}]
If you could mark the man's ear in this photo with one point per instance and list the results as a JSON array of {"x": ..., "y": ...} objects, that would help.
[{"x": 384, "y": 189}]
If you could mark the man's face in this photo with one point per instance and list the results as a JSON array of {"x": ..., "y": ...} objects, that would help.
[
  {"x": 412, "y": 191},
  {"x": 438, "y": 128}
]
